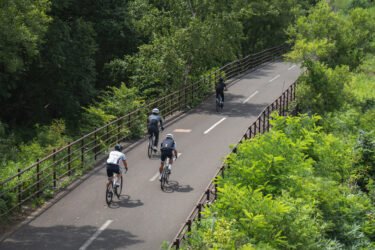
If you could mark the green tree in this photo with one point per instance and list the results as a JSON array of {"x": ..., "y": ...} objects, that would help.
[{"x": 23, "y": 24}]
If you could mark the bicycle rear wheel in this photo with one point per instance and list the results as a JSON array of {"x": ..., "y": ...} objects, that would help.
[
  {"x": 149, "y": 149},
  {"x": 109, "y": 193}
]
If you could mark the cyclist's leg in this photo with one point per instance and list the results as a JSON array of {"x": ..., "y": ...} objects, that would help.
[
  {"x": 116, "y": 170},
  {"x": 149, "y": 130},
  {"x": 156, "y": 132},
  {"x": 109, "y": 174},
  {"x": 163, "y": 157}
]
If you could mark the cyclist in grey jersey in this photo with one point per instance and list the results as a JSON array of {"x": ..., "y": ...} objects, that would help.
[{"x": 153, "y": 126}]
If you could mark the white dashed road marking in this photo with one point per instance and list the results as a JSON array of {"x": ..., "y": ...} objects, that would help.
[
  {"x": 292, "y": 67},
  {"x": 252, "y": 95},
  {"x": 96, "y": 234},
  {"x": 273, "y": 79},
  {"x": 213, "y": 126}
]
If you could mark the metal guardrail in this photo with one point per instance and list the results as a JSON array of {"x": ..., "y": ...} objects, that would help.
[
  {"x": 56, "y": 170},
  {"x": 260, "y": 126}
]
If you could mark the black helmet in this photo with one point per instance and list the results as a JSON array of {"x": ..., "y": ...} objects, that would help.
[
  {"x": 221, "y": 79},
  {"x": 118, "y": 147}
]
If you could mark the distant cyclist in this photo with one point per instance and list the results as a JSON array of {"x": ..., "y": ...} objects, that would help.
[
  {"x": 153, "y": 126},
  {"x": 168, "y": 150},
  {"x": 113, "y": 162},
  {"x": 220, "y": 89}
]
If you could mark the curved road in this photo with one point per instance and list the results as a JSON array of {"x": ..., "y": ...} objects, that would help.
[{"x": 145, "y": 216}]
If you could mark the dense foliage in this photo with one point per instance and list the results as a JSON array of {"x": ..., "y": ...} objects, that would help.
[
  {"x": 310, "y": 182},
  {"x": 290, "y": 188},
  {"x": 81, "y": 64}
]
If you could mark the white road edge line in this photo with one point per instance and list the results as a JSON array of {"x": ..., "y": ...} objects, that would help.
[
  {"x": 252, "y": 95},
  {"x": 273, "y": 79},
  {"x": 157, "y": 174},
  {"x": 292, "y": 67},
  {"x": 213, "y": 126},
  {"x": 96, "y": 234}
]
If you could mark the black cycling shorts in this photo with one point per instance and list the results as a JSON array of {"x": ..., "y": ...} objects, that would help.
[
  {"x": 112, "y": 168},
  {"x": 166, "y": 153}
]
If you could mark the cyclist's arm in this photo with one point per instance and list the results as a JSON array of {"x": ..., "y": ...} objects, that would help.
[
  {"x": 161, "y": 123},
  {"x": 125, "y": 164},
  {"x": 175, "y": 150}
]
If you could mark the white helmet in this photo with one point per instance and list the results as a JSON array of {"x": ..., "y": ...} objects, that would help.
[
  {"x": 169, "y": 136},
  {"x": 155, "y": 111}
]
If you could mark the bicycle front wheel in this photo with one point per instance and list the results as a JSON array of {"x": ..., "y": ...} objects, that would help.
[
  {"x": 164, "y": 178},
  {"x": 118, "y": 189}
]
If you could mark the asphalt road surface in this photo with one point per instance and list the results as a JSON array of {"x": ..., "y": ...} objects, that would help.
[{"x": 145, "y": 216}]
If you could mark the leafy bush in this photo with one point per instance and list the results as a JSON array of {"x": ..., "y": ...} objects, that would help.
[{"x": 287, "y": 189}]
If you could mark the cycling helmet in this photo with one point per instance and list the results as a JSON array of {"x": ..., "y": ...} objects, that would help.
[
  {"x": 169, "y": 136},
  {"x": 155, "y": 111},
  {"x": 118, "y": 147}
]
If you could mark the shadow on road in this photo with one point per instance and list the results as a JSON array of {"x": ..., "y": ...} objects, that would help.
[
  {"x": 68, "y": 237},
  {"x": 174, "y": 186},
  {"x": 125, "y": 201},
  {"x": 231, "y": 107}
]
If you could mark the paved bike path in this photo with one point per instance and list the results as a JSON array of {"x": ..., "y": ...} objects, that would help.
[{"x": 145, "y": 215}]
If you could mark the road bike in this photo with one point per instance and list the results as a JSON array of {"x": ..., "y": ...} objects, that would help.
[
  {"x": 150, "y": 150},
  {"x": 165, "y": 174},
  {"x": 219, "y": 103},
  {"x": 114, "y": 188}
]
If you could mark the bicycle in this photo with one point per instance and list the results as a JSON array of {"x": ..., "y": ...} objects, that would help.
[
  {"x": 165, "y": 174},
  {"x": 219, "y": 103},
  {"x": 150, "y": 150},
  {"x": 112, "y": 188}
]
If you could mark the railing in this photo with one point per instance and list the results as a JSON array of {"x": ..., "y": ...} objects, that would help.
[
  {"x": 260, "y": 126},
  {"x": 46, "y": 176}
]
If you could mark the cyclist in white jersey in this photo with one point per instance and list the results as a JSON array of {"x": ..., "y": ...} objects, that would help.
[{"x": 113, "y": 162}]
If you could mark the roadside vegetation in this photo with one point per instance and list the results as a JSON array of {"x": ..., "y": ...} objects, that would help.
[
  {"x": 67, "y": 67},
  {"x": 309, "y": 183}
]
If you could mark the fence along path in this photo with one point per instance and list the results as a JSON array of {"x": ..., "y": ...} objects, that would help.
[
  {"x": 261, "y": 125},
  {"x": 47, "y": 175}
]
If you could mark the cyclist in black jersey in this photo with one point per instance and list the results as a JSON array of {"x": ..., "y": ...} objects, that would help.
[
  {"x": 168, "y": 150},
  {"x": 220, "y": 89}
]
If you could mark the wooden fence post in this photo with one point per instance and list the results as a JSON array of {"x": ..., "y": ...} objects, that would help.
[
  {"x": 19, "y": 188},
  {"x": 54, "y": 168},
  {"x": 37, "y": 178},
  {"x": 69, "y": 159},
  {"x": 95, "y": 142},
  {"x": 82, "y": 153}
]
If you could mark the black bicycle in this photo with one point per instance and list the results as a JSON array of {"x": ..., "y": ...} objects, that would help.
[
  {"x": 114, "y": 188},
  {"x": 165, "y": 174},
  {"x": 219, "y": 103},
  {"x": 150, "y": 150}
]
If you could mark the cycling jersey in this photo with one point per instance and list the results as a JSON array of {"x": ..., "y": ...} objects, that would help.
[
  {"x": 115, "y": 157},
  {"x": 168, "y": 144},
  {"x": 154, "y": 120}
]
